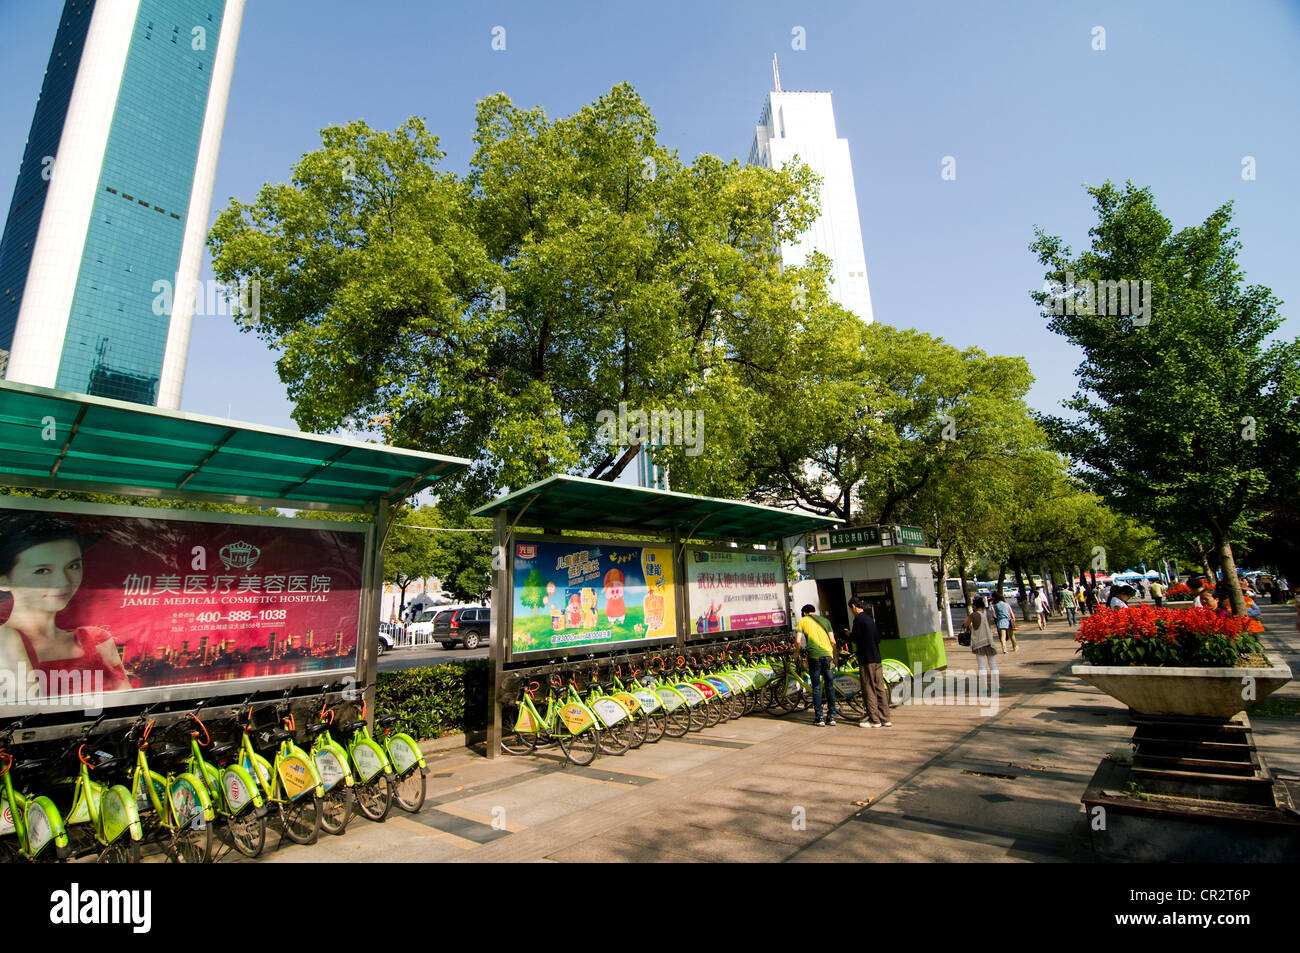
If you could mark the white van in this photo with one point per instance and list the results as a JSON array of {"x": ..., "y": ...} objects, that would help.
[
  {"x": 955, "y": 597},
  {"x": 421, "y": 630}
]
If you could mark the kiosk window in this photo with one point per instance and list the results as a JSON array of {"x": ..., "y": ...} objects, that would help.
[{"x": 878, "y": 594}]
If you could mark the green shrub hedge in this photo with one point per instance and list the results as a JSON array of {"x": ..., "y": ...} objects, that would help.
[{"x": 438, "y": 700}]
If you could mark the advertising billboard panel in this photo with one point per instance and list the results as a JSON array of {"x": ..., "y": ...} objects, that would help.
[
  {"x": 171, "y": 605},
  {"x": 732, "y": 590},
  {"x": 570, "y": 594}
]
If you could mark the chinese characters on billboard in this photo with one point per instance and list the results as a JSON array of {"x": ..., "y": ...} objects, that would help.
[
  {"x": 570, "y": 594},
  {"x": 134, "y": 603},
  {"x": 734, "y": 590}
]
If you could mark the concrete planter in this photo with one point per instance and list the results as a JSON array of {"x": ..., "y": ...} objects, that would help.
[{"x": 1204, "y": 692}]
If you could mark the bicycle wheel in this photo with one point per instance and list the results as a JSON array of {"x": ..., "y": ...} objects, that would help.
[
  {"x": 697, "y": 716},
  {"x": 301, "y": 818},
  {"x": 189, "y": 845},
  {"x": 374, "y": 798},
  {"x": 247, "y": 831},
  {"x": 124, "y": 850},
  {"x": 640, "y": 726},
  {"x": 712, "y": 712},
  {"x": 512, "y": 741},
  {"x": 336, "y": 809},
  {"x": 408, "y": 790},
  {"x": 655, "y": 726},
  {"x": 616, "y": 739},
  {"x": 677, "y": 722},
  {"x": 582, "y": 748}
]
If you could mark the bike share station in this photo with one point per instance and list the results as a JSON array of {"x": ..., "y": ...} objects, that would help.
[
  {"x": 888, "y": 568},
  {"x": 175, "y": 612},
  {"x": 618, "y": 575}
]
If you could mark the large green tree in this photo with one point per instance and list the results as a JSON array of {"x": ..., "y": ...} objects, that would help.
[
  {"x": 578, "y": 264},
  {"x": 861, "y": 421},
  {"x": 1175, "y": 392}
]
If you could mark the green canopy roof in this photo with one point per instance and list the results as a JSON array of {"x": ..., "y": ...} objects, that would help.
[
  {"x": 53, "y": 439},
  {"x": 577, "y": 503}
]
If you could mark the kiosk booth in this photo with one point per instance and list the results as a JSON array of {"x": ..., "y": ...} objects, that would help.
[
  {"x": 888, "y": 567},
  {"x": 614, "y": 569},
  {"x": 197, "y": 605}
]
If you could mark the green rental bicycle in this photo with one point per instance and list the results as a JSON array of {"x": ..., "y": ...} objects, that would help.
[
  {"x": 177, "y": 807},
  {"x": 568, "y": 722},
  {"x": 335, "y": 770},
  {"x": 371, "y": 769},
  {"x": 289, "y": 782},
  {"x": 31, "y": 827},
  {"x": 679, "y": 717},
  {"x": 103, "y": 819},
  {"x": 410, "y": 772},
  {"x": 236, "y": 797},
  {"x": 617, "y": 734}
]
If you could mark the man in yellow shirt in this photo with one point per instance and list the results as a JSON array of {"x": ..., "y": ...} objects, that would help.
[{"x": 814, "y": 634}]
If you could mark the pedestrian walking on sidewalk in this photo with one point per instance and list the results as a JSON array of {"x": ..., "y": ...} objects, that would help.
[
  {"x": 1068, "y": 604},
  {"x": 981, "y": 643},
  {"x": 814, "y": 634},
  {"x": 1157, "y": 590},
  {"x": 1006, "y": 623},
  {"x": 1042, "y": 608},
  {"x": 866, "y": 643}
]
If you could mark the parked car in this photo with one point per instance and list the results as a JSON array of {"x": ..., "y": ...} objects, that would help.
[
  {"x": 421, "y": 628},
  {"x": 385, "y": 639},
  {"x": 390, "y": 635},
  {"x": 468, "y": 626}
]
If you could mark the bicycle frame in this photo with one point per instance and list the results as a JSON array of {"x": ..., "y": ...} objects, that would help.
[
  {"x": 293, "y": 774},
  {"x": 34, "y": 820},
  {"x": 110, "y": 810},
  {"x": 232, "y": 789},
  {"x": 178, "y": 800},
  {"x": 368, "y": 756},
  {"x": 331, "y": 758}
]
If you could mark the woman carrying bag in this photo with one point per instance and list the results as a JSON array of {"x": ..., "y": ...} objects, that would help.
[{"x": 977, "y": 633}]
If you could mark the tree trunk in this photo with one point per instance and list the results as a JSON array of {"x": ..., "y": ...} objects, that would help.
[
  {"x": 944, "y": 608},
  {"x": 1206, "y": 568},
  {"x": 1002, "y": 574},
  {"x": 1223, "y": 552},
  {"x": 965, "y": 589}
]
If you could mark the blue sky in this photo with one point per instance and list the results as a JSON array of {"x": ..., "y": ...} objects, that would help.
[{"x": 1013, "y": 90}]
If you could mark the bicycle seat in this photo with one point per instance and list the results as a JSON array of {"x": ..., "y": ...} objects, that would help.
[
  {"x": 31, "y": 766},
  {"x": 386, "y": 720},
  {"x": 172, "y": 753},
  {"x": 314, "y": 731},
  {"x": 352, "y": 727},
  {"x": 221, "y": 750},
  {"x": 276, "y": 737}
]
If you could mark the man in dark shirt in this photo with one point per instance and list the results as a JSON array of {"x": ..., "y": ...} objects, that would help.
[{"x": 866, "y": 644}]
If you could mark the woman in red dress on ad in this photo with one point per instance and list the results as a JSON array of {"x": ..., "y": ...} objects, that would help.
[{"x": 40, "y": 572}]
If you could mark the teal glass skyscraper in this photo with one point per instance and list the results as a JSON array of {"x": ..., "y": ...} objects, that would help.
[{"x": 105, "y": 234}]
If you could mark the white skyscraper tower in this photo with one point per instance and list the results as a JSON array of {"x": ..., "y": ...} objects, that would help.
[{"x": 803, "y": 125}]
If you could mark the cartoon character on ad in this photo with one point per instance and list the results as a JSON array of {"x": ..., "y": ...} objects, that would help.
[
  {"x": 588, "y": 608},
  {"x": 615, "y": 610},
  {"x": 574, "y": 616}
]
